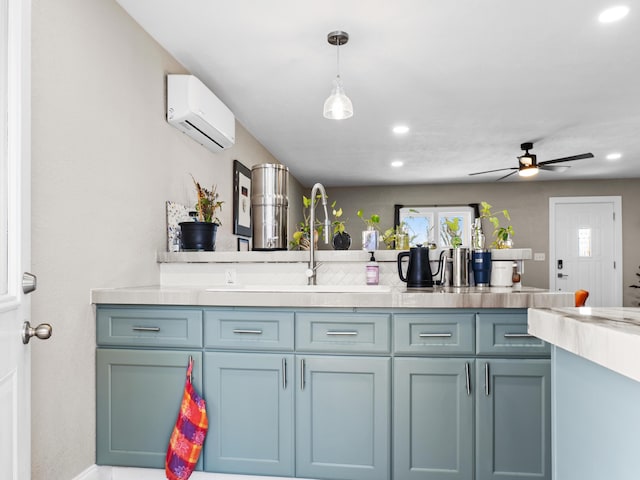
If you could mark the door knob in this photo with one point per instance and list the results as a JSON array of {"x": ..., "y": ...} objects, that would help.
[{"x": 42, "y": 331}]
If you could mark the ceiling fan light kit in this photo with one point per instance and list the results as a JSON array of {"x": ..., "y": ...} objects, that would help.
[
  {"x": 338, "y": 106},
  {"x": 528, "y": 165}
]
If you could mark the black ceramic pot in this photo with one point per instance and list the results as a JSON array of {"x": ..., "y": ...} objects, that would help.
[
  {"x": 198, "y": 236},
  {"x": 341, "y": 241}
]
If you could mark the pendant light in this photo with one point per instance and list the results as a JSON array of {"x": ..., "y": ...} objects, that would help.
[{"x": 338, "y": 106}]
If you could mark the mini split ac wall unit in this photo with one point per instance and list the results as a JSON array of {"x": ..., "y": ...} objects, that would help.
[{"x": 193, "y": 109}]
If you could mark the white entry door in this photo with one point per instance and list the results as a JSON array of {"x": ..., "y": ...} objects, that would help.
[
  {"x": 15, "y": 426},
  {"x": 585, "y": 251}
]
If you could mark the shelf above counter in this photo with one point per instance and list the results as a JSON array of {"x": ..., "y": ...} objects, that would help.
[{"x": 300, "y": 256}]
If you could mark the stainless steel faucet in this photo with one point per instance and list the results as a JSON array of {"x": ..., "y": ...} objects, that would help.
[{"x": 311, "y": 270}]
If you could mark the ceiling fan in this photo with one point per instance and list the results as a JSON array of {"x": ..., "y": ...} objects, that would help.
[{"x": 528, "y": 166}]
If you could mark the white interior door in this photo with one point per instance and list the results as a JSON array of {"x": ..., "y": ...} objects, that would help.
[
  {"x": 585, "y": 250},
  {"x": 15, "y": 428}
]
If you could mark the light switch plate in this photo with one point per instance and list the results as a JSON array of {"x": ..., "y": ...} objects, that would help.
[{"x": 538, "y": 257}]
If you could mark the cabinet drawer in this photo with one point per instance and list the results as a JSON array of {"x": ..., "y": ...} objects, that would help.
[
  {"x": 342, "y": 332},
  {"x": 506, "y": 334},
  {"x": 434, "y": 333},
  {"x": 147, "y": 327},
  {"x": 248, "y": 329}
]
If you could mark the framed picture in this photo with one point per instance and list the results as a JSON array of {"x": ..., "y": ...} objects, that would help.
[
  {"x": 243, "y": 244},
  {"x": 241, "y": 200}
]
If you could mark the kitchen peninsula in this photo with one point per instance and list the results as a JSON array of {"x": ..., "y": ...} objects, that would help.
[
  {"x": 595, "y": 391},
  {"x": 339, "y": 380}
]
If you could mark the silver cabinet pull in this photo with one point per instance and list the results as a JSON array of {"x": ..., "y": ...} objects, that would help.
[
  {"x": 284, "y": 373},
  {"x": 341, "y": 332},
  {"x": 486, "y": 379},
  {"x": 302, "y": 374},
  {"x": 518, "y": 335},
  {"x": 146, "y": 329},
  {"x": 468, "y": 377},
  {"x": 435, "y": 335},
  {"x": 246, "y": 331}
]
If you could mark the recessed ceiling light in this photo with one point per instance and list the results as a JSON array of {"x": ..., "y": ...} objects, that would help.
[
  {"x": 400, "y": 129},
  {"x": 614, "y": 156},
  {"x": 613, "y": 14},
  {"x": 397, "y": 163}
]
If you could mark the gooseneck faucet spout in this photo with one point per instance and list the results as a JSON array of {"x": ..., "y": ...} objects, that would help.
[{"x": 311, "y": 270}]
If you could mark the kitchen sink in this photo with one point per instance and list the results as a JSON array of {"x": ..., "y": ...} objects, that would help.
[{"x": 302, "y": 288}]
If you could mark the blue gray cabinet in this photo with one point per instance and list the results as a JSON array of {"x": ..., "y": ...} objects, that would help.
[
  {"x": 343, "y": 417},
  {"x": 137, "y": 402},
  {"x": 309, "y": 392},
  {"x": 433, "y": 421},
  {"x": 503, "y": 383},
  {"x": 251, "y": 414},
  {"x": 513, "y": 419}
]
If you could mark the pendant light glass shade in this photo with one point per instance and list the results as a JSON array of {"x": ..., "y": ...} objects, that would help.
[{"x": 338, "y": 106}]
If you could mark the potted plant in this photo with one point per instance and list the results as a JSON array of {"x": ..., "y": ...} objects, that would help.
[
  {"x": 341, "y": 239},
  {"x": 371, "y": 234},
  {"x": 201, "y": 233},
  {"x": 301, "y": 236},
  {"x": 398, "y": 238},
  {"x": 503, "y": 235}
]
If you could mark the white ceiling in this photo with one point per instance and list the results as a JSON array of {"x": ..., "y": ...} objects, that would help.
[{"x": 472, "y": 79}]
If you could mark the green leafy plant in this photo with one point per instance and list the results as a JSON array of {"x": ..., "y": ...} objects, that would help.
[
  {"x": 207, "y": 204},
  {"x": 372, "y": 221},
  {"x": 303, "y": 233},
  {"x": 502, "y": 234},
  {"x": 451, "y": 233},
  {"x": 338, "y": 222},
  {"x": 392, "y": 236}
]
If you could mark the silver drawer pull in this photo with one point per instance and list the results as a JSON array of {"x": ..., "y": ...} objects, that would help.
[
  {"x": 518, "y": 335},
  {"x": 435, "y": 335},
  {"x": 341, "y": 332},
  {"x": 253, "y": 332},
  {"x": 467, "y": 374},
  {"x": 146, "y": 329}
]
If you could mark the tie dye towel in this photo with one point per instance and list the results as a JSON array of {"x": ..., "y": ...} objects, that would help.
[{"x": 188, "y": 434}]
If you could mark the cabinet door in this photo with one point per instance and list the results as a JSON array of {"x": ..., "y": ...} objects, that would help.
[
  {"x": 433, "y": 419},
  {"x": 343, "y": 417},
  {"x": 513, "y": 419},
  {"x": 138, "y": 396},
  {"x": 250, "y": 398}
]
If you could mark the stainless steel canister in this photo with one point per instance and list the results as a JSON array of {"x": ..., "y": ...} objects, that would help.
[
  {"x": 269, "y": 206},
  {"x": 460, "y": 261}
]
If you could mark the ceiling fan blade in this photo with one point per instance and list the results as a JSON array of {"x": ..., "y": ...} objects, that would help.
[
  {"x": 508, "y": 175},
  {"x": 554, "y": 168},
  {"x": 582, "y": 156},
  {"x": 491, "y": 171}
]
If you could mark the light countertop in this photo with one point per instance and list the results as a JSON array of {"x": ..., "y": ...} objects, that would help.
[
  {"x": 334, "y": 296},
  {"x": 607, "y": 336}
]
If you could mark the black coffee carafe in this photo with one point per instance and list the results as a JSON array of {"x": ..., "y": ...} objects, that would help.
[{"x": 418, "y": 268}]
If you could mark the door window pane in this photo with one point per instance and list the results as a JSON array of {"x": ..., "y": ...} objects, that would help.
[{"x": 584, "y": 242}]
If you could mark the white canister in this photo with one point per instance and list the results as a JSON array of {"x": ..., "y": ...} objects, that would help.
[{"x": 501, "y": 273}]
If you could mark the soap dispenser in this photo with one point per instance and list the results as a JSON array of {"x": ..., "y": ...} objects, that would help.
[{"x": 373, "y": 271}]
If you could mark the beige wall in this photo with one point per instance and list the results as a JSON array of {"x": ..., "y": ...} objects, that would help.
[
  {"x": 527, "y": 202},
  {"x": 104, "y": 163}
]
